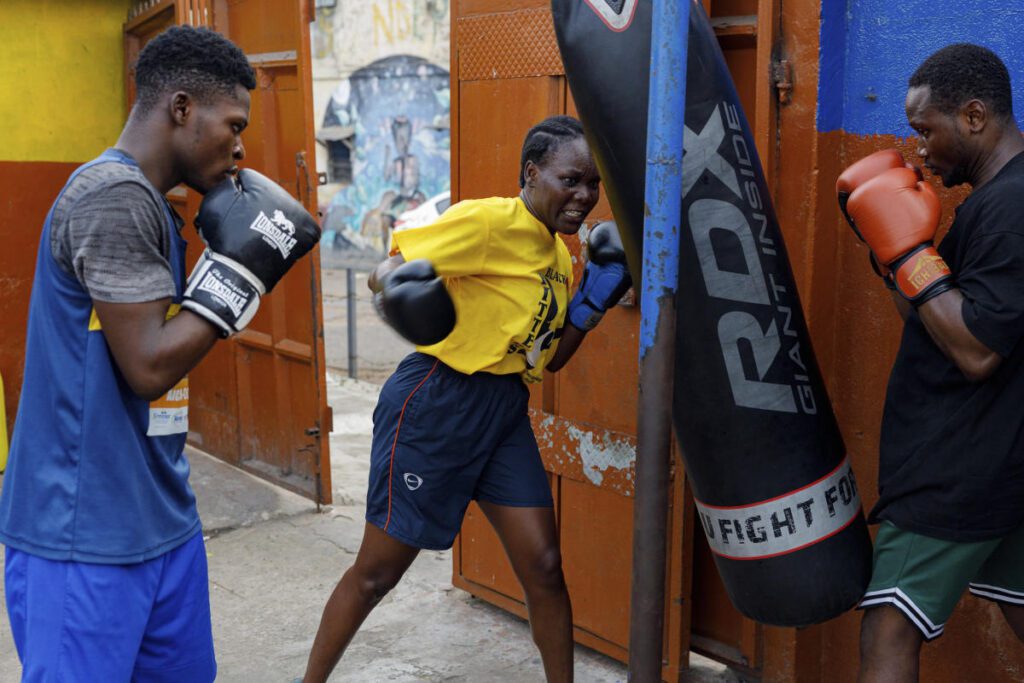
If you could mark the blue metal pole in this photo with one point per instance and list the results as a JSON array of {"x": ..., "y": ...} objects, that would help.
[
  {"x": 662, "y": 198},
  {"x": 664, "y": 178}
]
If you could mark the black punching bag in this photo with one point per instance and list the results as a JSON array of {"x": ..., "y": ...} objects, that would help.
[{"x": 775, "y": 493}]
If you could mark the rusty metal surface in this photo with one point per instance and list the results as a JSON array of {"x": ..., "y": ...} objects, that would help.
[
  {"x": 29, "y": 189},
  {"x": 508, "y": 45},
  {"x": 596, "y": 532},
  {"x": 586, "y": 452},
  {"x": 650, "y": 514},
  {"x": 282, "y": 411},
  {"x": 584, "y": 417},
  {"x": 259, "y": 400},
  {"x": 494, "y": 116},
  {"x": 658, "y": 284},
  {"x": 977, "y": 643}
]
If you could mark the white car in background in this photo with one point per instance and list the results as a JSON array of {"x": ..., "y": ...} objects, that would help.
[{"x": 424, "y": 214}]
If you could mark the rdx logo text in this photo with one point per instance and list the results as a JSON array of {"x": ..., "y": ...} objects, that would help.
[{"x": 724, "y": 231}]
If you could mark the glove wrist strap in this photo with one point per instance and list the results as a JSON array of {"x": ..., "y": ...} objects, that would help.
[
  {"x": 582, "y": 314},
  {"x": 223, "y": 292},
  {"x": 921, "y": 274}
]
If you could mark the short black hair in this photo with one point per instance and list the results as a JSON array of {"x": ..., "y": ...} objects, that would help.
[
  {"x": 199, "y": 61},
  {"x": 961, "y": 72},
  {"x": 545, "y": 137}
]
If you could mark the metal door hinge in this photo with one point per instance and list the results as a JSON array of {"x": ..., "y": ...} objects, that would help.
[
  {"x": 302, "y": 179},
  {"x": 782, "y": 79}
]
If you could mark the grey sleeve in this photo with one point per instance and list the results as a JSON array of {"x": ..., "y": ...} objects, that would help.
[{"x": 117, "y": 244}]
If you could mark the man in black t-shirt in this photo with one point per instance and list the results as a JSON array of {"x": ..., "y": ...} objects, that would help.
[{"x": 951, "y": 476}]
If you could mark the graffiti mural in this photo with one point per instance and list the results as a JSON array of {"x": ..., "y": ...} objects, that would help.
[
  {"x": 395, "y": 20},
  {"x": 398, "y": 108}
]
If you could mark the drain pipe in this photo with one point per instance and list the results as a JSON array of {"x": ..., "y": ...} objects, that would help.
[{"x": 662, "y": 190}]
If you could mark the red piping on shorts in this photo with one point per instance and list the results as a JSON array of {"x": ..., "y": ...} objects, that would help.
[{"x": 394, "y": 444}]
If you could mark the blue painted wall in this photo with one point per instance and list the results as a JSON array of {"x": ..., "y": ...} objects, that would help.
[{"x": 869, "y": 48}]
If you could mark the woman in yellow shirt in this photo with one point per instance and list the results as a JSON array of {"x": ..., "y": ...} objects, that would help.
[{"x": 452, "y": 422}]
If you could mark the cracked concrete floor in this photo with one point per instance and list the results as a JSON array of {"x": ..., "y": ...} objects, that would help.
[
  {"x": 425, "y": 630},
  {"x": 274, "y": 560}
]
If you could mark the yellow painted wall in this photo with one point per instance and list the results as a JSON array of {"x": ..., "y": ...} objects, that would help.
[{"x": 61, "y": 78}]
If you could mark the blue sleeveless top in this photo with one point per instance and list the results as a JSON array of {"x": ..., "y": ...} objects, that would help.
[{"x": 95, "y": 473}]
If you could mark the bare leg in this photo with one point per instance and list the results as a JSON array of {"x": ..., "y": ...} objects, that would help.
[
  {"x": 531, "y": 541},
  {"x": 890, "y": 647},
  {"x": 380, "y": 564},
  {"x": 1015, "y": 617}
]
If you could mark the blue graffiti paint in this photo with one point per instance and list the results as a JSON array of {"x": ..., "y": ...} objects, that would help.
[
  {"x": 869, "y": 48},
  {"x": 399, "y": 109}
]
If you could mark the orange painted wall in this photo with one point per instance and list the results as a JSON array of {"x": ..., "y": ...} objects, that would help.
[
  {"x": 857, "y": 327},
  {"x": 62, "y": 103},
  {"x": 856, "y": 332},
  {"x": 26, "y": 191}
]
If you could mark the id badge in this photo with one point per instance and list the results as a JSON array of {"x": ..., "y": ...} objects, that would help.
[{"x": 169, "y": 413}]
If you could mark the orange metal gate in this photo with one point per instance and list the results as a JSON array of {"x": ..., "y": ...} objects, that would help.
[
  {"x": 259, "y": 400},
  {"x": 506, "y": 75}
]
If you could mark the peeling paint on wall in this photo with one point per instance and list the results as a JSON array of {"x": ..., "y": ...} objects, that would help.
[
  {"x": 357, "y": 32},
  {"x": 596, "y": 453},
  {"x": 601, "y": 454}
]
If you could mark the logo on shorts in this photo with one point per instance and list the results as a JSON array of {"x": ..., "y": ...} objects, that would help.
[{"x": 413, "y": 481}]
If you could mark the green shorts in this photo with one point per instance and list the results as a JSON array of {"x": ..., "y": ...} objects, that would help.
[{"x": 924, "y": 577}]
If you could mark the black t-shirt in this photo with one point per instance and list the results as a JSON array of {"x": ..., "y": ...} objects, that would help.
[{"x": 952, "y": 451}]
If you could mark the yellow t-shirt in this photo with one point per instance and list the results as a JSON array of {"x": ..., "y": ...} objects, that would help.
[{"x": 509, "y": 279}]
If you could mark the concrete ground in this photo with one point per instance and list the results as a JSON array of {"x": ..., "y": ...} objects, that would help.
[
  {"x": 274, "y": 559},
  {"x": 272, "y": 566},
  {"x": 378, "y": 349},
  {"x": 271, "y": 577}
]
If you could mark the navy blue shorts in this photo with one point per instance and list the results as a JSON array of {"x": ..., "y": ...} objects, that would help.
[{"x": 442, "y": 438}]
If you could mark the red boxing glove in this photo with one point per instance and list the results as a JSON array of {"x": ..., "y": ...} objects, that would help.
[
  {"x": 855, "y": 176},
  {"x": 861, "y": 172},
  {"x": 898, "y": 214}
]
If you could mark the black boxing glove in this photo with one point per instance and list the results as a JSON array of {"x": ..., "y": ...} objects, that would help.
[
  {"x": 414, "y": 302},
  {"x": 605, "y": 277},
  {"x": 254, "y": 232}
]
